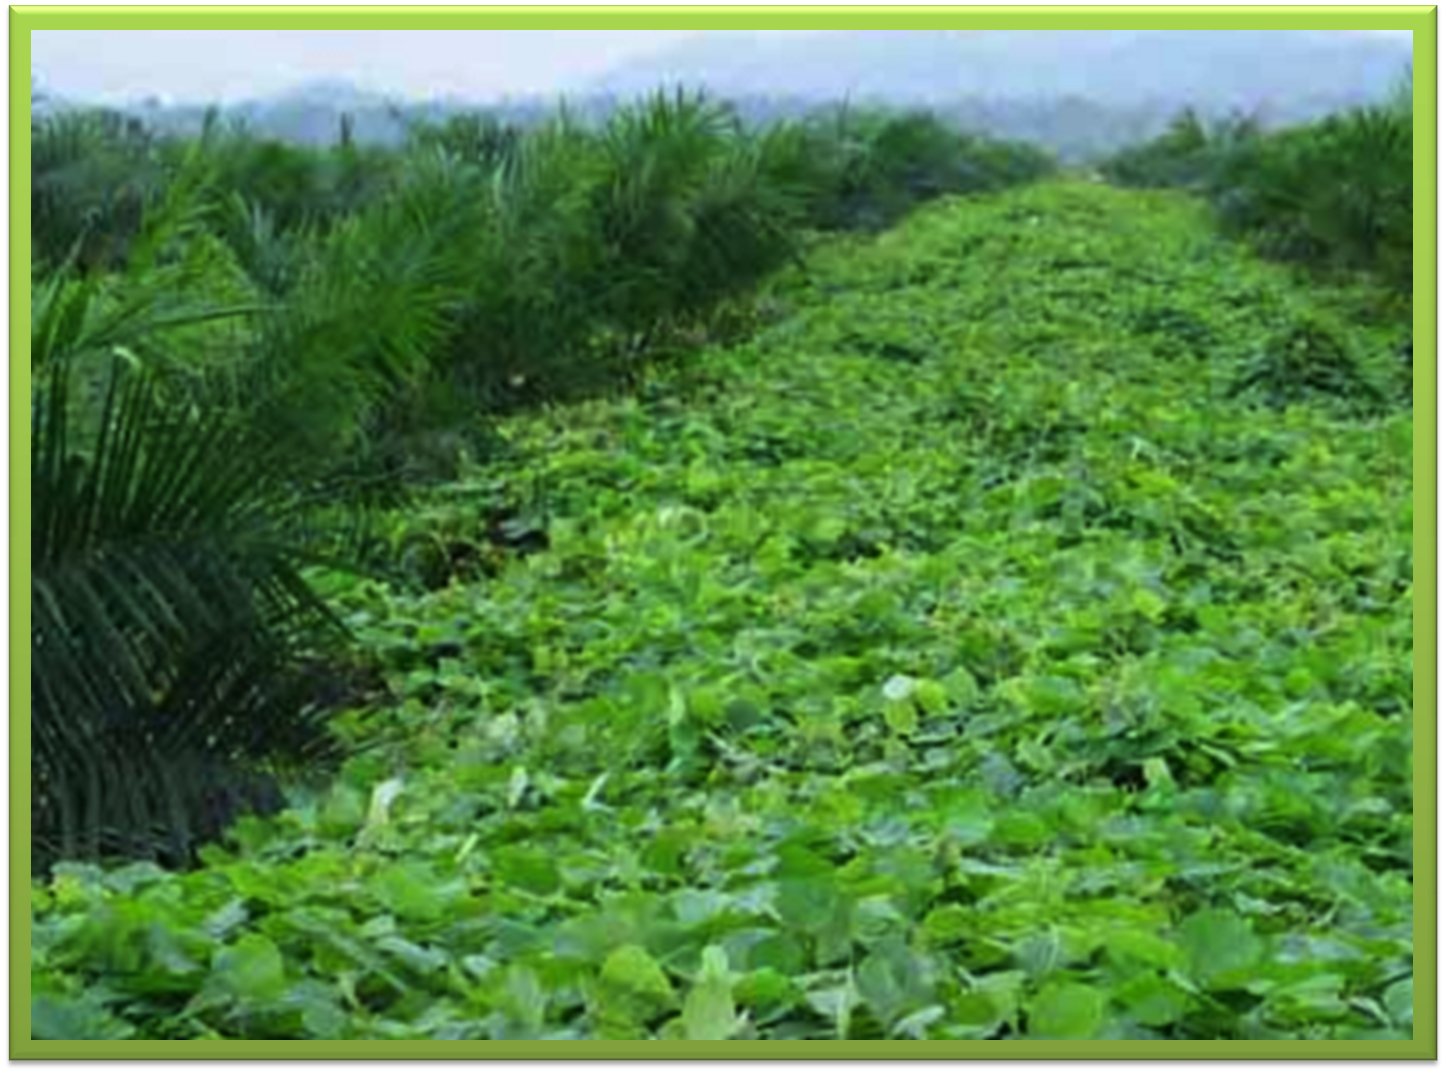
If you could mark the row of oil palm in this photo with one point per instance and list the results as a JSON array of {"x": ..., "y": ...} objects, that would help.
[
  {"x": 242, "y": 348},
  {"x": 1336, "y": 193}
]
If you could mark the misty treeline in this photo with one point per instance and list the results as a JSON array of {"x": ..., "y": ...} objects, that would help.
[{"x": 1335, "y": 193}]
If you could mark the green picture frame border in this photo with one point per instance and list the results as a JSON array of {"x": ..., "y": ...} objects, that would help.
[{"x": 1419, "y": 20}]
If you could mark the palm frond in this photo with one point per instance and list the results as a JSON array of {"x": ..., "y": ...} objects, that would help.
[{"x": 154, "y": 554}]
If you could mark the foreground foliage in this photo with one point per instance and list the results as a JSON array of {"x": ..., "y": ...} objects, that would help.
[{"x": 996, "y": 646}]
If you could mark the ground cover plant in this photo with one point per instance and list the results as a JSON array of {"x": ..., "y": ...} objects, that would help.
[
  {"x": 336, "y": 329},
  {"x": 1009, "y": 638}
]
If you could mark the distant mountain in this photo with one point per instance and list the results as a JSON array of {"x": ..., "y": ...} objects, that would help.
[
  {"x": 336, "y": 92},
  {"x": 1214, "y": 70},
  {"x": 44, "y": 100},
  {"x": 309, "y": 114},
  {"x": 1079, "y": 93}
]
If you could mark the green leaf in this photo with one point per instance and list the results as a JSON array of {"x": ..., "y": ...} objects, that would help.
[
  {"x": 527, "y": 869},
  {"x": 1152, "y": 1000},
  {"x": 708, "y": 1011},
  {"x": 967, "y": 815},
  {"x": 518, "y": 786},
  {"x": 816, "y": 906},
  {"x": 893, "y": 981},
  {"x": 632, "y": 970},
  {"x": 1157, "y": 773},
  {"x": 901, "y": 716},
  {"x": 53, "y": 1017},
  {"x": 1220, "y": 946},
  {"x": 1067, "y": 1011},
  {"x": 252, "y": 972},
  {"x": 900, "y": 688},
  {"x": 410, "y": 889},
  {"x": 383, "y": 796},
  {"x": 837, "y": 1004},
  {"x": 932, "y": 697},
  {"x": 526, "y": 998},
  {"x": 1127, "y": 945},
  {"x": 321, "y": 1014},
  {"x": 1399, "y": 1001},
  {"x": 1040, "y": 954},
  {"x": 419, "y": 959},
  {"x": 961, "y": 687}
]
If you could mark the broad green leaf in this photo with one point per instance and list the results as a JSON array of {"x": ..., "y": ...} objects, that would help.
[
  {"x": 518, "y": 786},
  {"x": 901, "y": 716},
  {"x": 836, "y": 1004},
  {"x": 527, "y": 868},
  {"x": 893, "y": 981},
  {"x": 1067, "y": 1011},
  {"x": 526, "y": 997},
  {"x": 899, "y": 688},
  {"x": 1399, "y": 1001},
  {"x": 1152, "y": 1000},
  {"x": 1133, "y": 945},
  {"x": 1157, "y": 773},
  {"x": 967, "y": 815},
  {"x": 1219, "y": 945},
  {"x": 251, "y": 972},
  {"x": 383, "y": 797},
  {"x": 418, "y": 959},
  {"x": 1040, "y": 954},
  {"x": 708, "y": 1011},
  {"x": 322, "y": 1014},
  {"x": 961, "y": 687},
  {"x": 633, "y": 970},
  {"x": 932, "y": 697},
  {"x": 410, "y": 889},
  {"x": 227, "y": 919},
  {"x": 53, "y": 1017}
]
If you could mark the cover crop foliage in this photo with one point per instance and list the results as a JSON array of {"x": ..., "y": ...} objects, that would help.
[
  {"x": 992, "y": 625},
  {"x": 325, "y": 329}
]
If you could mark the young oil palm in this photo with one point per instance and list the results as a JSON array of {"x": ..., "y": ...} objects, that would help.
[
  {"x": 166, "y": 602},
  {"x": 168, "y": 608},
  {"x": 93, "y": 176}
]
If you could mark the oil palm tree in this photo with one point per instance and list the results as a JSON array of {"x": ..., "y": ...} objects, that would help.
[
  {"x": 169, "y": 611},
  {"x": 92, "y": 176},
  {"x": 167, "y": 600}
]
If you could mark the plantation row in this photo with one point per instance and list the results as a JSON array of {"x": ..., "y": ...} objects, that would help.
[
  {"x": 999, "y": 645},
  {"x": 995, "y": 627},
  {"x": 241, "y": 349},
  {"x": 1334, "y": 194}
]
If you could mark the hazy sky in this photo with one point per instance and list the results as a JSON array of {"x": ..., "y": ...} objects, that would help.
[
  {"x": 227, "y": 64},
  {"x": 115, "y": 65}
]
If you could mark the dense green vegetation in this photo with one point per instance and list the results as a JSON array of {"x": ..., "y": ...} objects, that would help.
[
  {"x": 243, "y": 354},
  {"x": 1334, "y": 194},
  {"x": 992, "y": 625}
]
